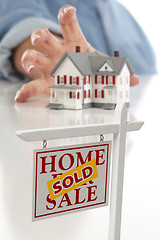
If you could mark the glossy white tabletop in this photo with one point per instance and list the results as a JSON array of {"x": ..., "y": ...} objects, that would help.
[{"x": 141, "y": 211}]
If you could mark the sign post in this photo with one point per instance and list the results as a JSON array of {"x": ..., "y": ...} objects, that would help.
[{"x": 118, "y": 127}]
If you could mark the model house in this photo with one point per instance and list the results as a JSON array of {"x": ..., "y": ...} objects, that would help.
[{"x": 82, "y": 80}]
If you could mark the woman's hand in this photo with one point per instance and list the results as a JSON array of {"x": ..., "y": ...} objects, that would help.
[{"x": 39, "y": 54}]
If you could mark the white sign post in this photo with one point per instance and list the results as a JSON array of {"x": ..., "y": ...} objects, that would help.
[{"x": 118, "y": 128}]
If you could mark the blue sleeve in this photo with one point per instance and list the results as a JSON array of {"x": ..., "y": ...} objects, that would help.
[
  {"x": 12, "y": 12},
  {"x": 123, "y": 33},
  {"x": 18, "y": 20}
]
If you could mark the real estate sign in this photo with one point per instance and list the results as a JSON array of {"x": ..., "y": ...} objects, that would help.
[{"x": 69, "y": 179}]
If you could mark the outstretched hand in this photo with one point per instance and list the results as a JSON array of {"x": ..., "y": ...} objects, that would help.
[{"x": 46, "y": 50}]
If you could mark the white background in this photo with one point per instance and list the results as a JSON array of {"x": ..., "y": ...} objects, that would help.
[{"x": 147, "y": 14}]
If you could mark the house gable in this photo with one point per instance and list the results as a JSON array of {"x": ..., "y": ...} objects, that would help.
[
  {"x": 67, "y": 67},
  {"x": 106, "y": 68},
  {"x": 125, "y": 71}
]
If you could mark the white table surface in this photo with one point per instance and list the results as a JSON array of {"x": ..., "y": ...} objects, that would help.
[{"x": 141, "y": 198}]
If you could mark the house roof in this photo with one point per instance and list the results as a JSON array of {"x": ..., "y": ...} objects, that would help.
[
  {"x": 80, "y": 60},
  {"x": 90, "y": 63},
  {"x": 116, "y": 63}
]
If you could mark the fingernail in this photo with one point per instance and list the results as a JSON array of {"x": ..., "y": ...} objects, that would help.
[
  {"x": 34, "y": 38},
  {"x": 17, "y": 96},
  {"x": 66, "y": 9},
  {"x": 28, "y": 66}
]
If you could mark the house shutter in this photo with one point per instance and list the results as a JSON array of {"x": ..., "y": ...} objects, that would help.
[
  {"x": 58, "y": 79},
  {"x": 85, "y": 81},
  {"x": 114, "y": 80},
  {"x": 70, "y": 80},
  {"x": 95, "y": 79},
  {"x": 89, "y": 79},
  {"x": 95, "y": 93},
  {"x": 77, "y": 95},
  {"x": 102, "y": 79},
  {"x": 65, "y": 79},
  {"x": 77, "y": 78},
  {"x": 70, "y": 94},
  {"x": 106, "y": 80},
  {"x": 85, "y": 94},
  {"x": 89, "y": 93},
  {"x": 102, "y": 93}
]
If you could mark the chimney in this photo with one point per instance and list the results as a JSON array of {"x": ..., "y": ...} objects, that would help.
[
  {"x": 78, "y": 49},
  {"x": 116, "y": 53}
]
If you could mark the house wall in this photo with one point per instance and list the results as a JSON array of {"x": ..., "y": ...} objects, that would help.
[
  {"x": 63, "y": 96},
  {"x": 123, "y": 85}
]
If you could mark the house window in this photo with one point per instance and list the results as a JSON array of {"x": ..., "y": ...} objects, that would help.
[
  {"x": 61, "y": 80},
  {"x": 99, "y": 79},
  {"x": 121, "y": 95},
  {"x": 99, "y": 93},
  {"x": 102, "y": 93},
  {"x": 127, "y": 94},
  {"x": 110, "y": 80},
  {"x": 72, "y": 95},
  {"x": 74, "y": 80},
  {"x": 87, "y": 80},
  {"x": 127, "y": 80},
  {"x": 120, "y": 80}
]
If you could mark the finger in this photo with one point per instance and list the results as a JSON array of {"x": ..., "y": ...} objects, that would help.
[
  {"x": 69, "y": 24},
  {"x": 47, "y": 42},
  {"x": 134, "y": 80},
  {"x": 33, "y": 60},
  {"x": 33, "y": 88}
]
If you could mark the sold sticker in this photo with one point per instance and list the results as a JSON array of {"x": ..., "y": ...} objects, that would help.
[{"x": 72, "y": 179}]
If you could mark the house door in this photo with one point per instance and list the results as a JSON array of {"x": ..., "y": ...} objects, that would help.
[
  {"x": 61, "y": 96},
  {"x": 110, "y": 95}
]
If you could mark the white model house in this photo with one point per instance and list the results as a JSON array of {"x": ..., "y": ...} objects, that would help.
[{"x": 83, "y": 80}]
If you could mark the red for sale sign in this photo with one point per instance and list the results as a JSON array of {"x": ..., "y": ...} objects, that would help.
[{"x": 70, "y": 179}]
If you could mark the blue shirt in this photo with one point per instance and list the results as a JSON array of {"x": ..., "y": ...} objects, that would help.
[{"x": 106, "y": 24}]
